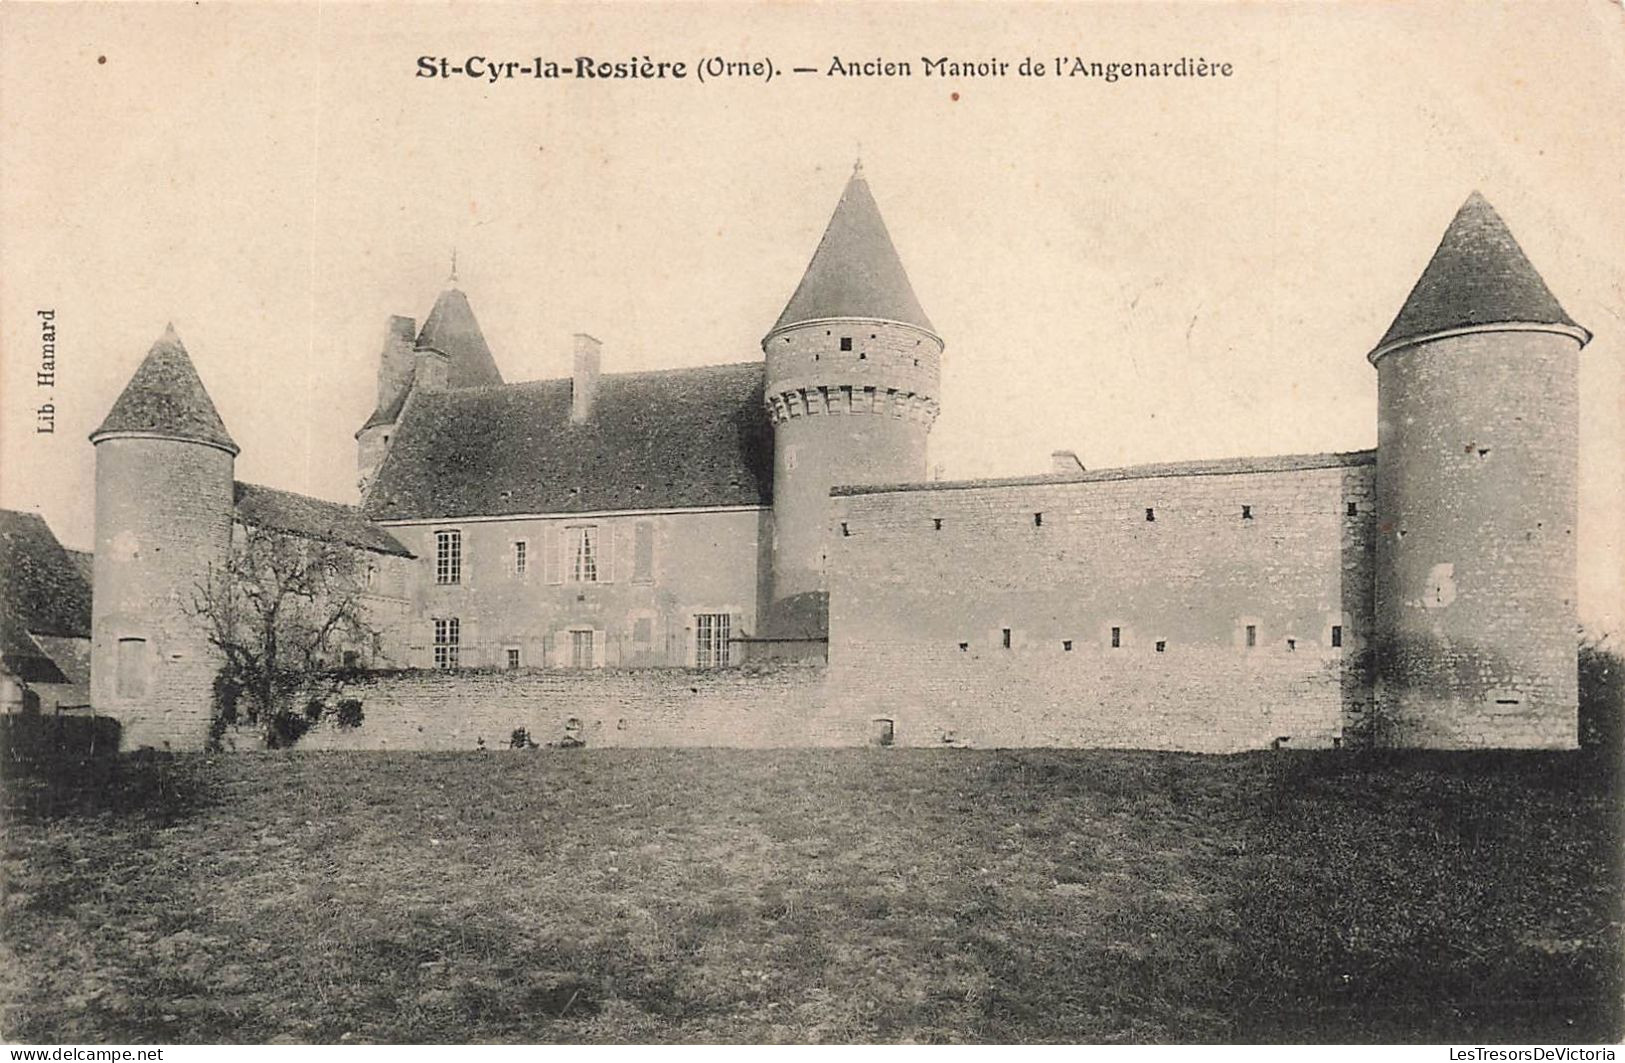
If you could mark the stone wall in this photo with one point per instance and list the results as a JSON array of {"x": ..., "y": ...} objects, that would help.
[
  {"x": 645, "y": 707},
  {"x": 655, "y": 572},
  {"x": 163, "y": 522},
  {"x": 1211, "y": 606},
  {"x": 858, "y": 416},
  {"x": 1478, "y": 483}
]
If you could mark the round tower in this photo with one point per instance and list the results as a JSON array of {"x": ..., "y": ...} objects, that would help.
[
  {"x": 853, "y": 366},
  {"x": 1477, "y": 496},
  {"x": 164, "y": 502}
]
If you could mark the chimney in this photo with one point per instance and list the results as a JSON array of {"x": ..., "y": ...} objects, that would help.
[
  {"x": 1065, "y": 463},
  {"x": 584, "y": 379},
  {"x": 395, "y": 361}
]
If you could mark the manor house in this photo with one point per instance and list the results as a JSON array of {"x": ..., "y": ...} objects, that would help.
[{"x": 596, "y": 556}]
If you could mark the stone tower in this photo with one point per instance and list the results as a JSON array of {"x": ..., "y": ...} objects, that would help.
[
  {"x": 853, "y": 366},
  {"x": 450, "y": 352},
  {"x": 1477, "y": 469},
  {"x": 164, "y": 480}
]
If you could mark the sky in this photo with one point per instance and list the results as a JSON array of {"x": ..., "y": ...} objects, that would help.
[{"x": 1144, "y": 270}]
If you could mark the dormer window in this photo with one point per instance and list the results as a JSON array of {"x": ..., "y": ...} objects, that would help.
[{"x": 846, "y": 343}]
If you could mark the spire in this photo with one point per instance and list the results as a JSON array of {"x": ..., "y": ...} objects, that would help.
[
  {"x": 856, "y": 271},
  {"x": 452, "y": 330},
  {"x": 1478, "y": 278},
  {"x": 166, "y": 397},
  {"x": 451, "y": 282}
]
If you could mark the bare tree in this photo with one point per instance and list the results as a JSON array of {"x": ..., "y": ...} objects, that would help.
[{"x": 281, "y": 610}]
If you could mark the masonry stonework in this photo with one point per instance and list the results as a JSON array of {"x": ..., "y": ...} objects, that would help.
[
  {"x": 163, "y": 521},
  {"x": 1012, "y": 614},
  {"x": 1478, "y": 475},
  {"x": 641, "y": 707},
  {"x": 654, "y": 573}
]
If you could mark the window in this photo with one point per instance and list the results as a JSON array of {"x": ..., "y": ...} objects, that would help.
[
  {"x": 1038, "y": 520},
  {"x": 1337, "y": 636},
  {"x": 1246, "y": 512},
  {"x": 513, "y": 658},
  {"x": 447, "y": 642},
  {"x": 1252, "y": 635},
  {"x": 581, "y": 649},
  {"x": 371, "y": 578},
  {"x": 643, "y": 551},
  {"x": 1005, "y": 636},
  {"x": 1162, "y": 645},
  {"x": 964, "y": 646},
  {"x": 1150, "y": 514},
  {"x": 1353, "y": 509},
  {"x": 936, "y": 523},
  {"x": 1117, "y": 638},
  {"x": 130, "y": 680},
  {"x": 1066, "y": 645},
  {"x": 583, "y": 546},
  {"x": 521, "y": 557},
  {"x": 1291, "y": 644},
  {"x": 846, "y": 343},
  {"x": 711, "y": 640},
  {"x": 448, "y": 557},
  {"x": 643, "y": 630},
  {"x": 845, "y": 531}
]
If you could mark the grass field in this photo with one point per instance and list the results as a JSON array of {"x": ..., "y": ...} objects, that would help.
[{"x": 859, "y": 895}]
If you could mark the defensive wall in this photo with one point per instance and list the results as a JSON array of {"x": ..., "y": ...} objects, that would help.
[
  {"x": 781, "y": 706},
  {"x": 1207, "y": 606}
]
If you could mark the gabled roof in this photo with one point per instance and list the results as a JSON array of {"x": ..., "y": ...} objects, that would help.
[
  {"x": 673, "y": 439},
  {"x": 1478, "y": 276},
  {"x": 41, "y": 586},
  {"x": 311, "y": 518},
  {"x": 856, "y": 271},
  {"x": 452, "y": 330},
  {"x": 166, "y": 397}
]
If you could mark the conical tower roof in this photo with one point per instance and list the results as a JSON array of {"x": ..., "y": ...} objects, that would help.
[
  {"x": 856, "y": 271},
  {"x": 452, "y": 330},
  {"x": 165, "y": 397},
  {"x": 1479, "y": 277}
]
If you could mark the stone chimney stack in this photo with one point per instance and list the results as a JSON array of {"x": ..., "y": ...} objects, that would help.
[
  {"x": 584, "y": 379},
  {"x": 1065, "y": 463},
  {"x": 395, "y": 361}
]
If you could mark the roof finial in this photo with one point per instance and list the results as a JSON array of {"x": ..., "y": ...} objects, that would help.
[
  {"x": 453, "y": 278},
  {"x": 857, "y": 166}
]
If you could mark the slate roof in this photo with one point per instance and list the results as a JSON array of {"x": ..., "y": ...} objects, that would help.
[
  {"x": 1477, "y": 276},
  {"x": 85, "y": 562},
  {"x": 41, "y": 585},
  {"x": 856, "y": 271},
  {"x": 1210, "y": 467},
  {"x": 312, "y": 518},
  {"x": 452, "y": 330},
  {"x": 42, "y": 592},
  {"x": 165, "y": 396},
  {"x": 671, "y": 439}
]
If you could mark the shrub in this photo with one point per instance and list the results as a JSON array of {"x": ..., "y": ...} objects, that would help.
[
  {"x": 286, "y": 728},
  {"x": 348, "y": 715},
  {"x": 520, "y": 739}
]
